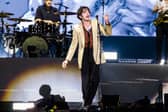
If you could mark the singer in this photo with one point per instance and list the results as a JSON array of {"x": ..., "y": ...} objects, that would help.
[{"x": 86, "y": 37}]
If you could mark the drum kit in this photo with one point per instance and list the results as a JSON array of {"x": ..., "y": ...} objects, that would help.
[{"x": 12, "y": 41}]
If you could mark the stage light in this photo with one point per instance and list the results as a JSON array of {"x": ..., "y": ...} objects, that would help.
[
  {"x": 22, "y": 106},
  {"x": 144, "y": 61},
  {"x": 111, "y": 55},
  {"x": 162, "y": 62}
]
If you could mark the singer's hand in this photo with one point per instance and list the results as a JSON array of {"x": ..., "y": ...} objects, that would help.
[
  {"x": 156, "y": 8},
  {"x": 161, "y": 8},
  {"x": 106, "y": 19},
  {"x": 64, "y": 64}
]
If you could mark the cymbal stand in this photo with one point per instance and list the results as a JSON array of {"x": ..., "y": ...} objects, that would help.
[
  {"x": 2, "y": 31},
  {"x": 64, "y": 30},
  {"x": 7, "y": 29},
  {"x": 65, "y": 21},
  {"x": 2, "y": 22},
  {"x": 14, "y": 40},
  {"x": 65, "y": 18}
]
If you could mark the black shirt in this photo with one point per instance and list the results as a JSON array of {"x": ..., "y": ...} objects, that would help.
[{"x": 45, "y": 13}]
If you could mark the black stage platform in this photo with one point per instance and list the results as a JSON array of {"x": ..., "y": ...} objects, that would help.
[
  {"x": 22, "y": 77},
  {"x": 134, "y": 81}
]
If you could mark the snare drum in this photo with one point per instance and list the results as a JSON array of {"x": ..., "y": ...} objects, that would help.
[
  {"x": 42, "y": 28},
  {"x": 36, "y": 28},
  {"x": 49, "y": 29},
  {"x": 35, "y": 46}
]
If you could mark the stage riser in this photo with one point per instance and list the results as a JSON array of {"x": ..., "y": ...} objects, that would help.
[{"x": 133, "y": 81}]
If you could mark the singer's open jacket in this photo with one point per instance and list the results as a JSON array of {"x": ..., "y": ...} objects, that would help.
[{"x": 78, "y": 40}]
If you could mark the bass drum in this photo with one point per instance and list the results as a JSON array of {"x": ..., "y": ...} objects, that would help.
[{"x": 35, "y": 46}]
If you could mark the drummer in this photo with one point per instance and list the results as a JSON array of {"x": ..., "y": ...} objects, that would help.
[{"x": 48, "y": 14}]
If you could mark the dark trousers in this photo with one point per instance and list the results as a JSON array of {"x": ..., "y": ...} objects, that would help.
[
  {"x": 162, "y": 34},
  {"x": 90, "y": 76}
]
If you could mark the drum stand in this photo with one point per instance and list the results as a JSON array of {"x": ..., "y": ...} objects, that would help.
[
  {"x": 1, "y": 32},
  {"x": 65, "y": 21},
  {"x": 64, "y": 27},
  {"x": 2, "y": 26},
  {"x": 64, "y": 32},
  {"x": 13, "y": 44}
]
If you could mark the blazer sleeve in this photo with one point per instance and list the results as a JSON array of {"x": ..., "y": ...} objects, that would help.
[
  {"x": 106, "y": 30},
  {"x": 73, "y": 46}
]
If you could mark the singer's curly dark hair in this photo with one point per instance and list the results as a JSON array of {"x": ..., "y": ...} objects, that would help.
[{"x": 80, "y": 10}]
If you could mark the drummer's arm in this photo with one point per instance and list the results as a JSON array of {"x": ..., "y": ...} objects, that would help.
[
  {"x": 51, "y": 22},
  {"x": 48, "y": 21},
  {"x": 57, "y": 24},
  {"x": 45, "y": 21},
  {"x": 58, "y": 19},
  {"x": 38, "y": 20},
  {"x": 38, "y": 15}
]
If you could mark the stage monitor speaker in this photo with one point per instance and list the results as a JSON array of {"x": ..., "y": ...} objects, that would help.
[
  {"x": 6, "y": 107},
  {"x": 166, "y": 102},
  {"x": 166, "y": 99},
  {"x": 110, "y": 100}
]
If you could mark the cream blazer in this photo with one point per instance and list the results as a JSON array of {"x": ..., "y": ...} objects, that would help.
[{"x": 78, "y": 40}]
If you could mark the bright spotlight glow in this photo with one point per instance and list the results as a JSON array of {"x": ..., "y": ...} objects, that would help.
[
  {"x": 162, "y": 62},
  {"x": 111, "y": 55},
  {"x": 23, "y": 106}
]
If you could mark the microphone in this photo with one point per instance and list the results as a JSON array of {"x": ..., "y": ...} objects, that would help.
[
  {"x": 97, "y": 17},
  {"x": 98, "y": 26}
]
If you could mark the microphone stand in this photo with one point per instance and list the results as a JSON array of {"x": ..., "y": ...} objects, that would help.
[
  {"x": 14, "y": 40},
  {"x": 98, "y": 37},
  {"x": 65, "y": 17},
  {"x": 64, "y": 26},
  {"x": 2, "y": 22},
  {"x": 98, "y": 26},
  {"x": 103, "y": 4}
]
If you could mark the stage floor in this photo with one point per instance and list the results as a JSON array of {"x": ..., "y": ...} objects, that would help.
[{"x": 22, "y": 77}]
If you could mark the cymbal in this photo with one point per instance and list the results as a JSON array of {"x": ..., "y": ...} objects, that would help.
[
  {"x": 12, "y": 25},
  {"x": 19, "y": 20},
  {"x": 5, "y": 14},
  {"x": 67, "y": 13}
]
